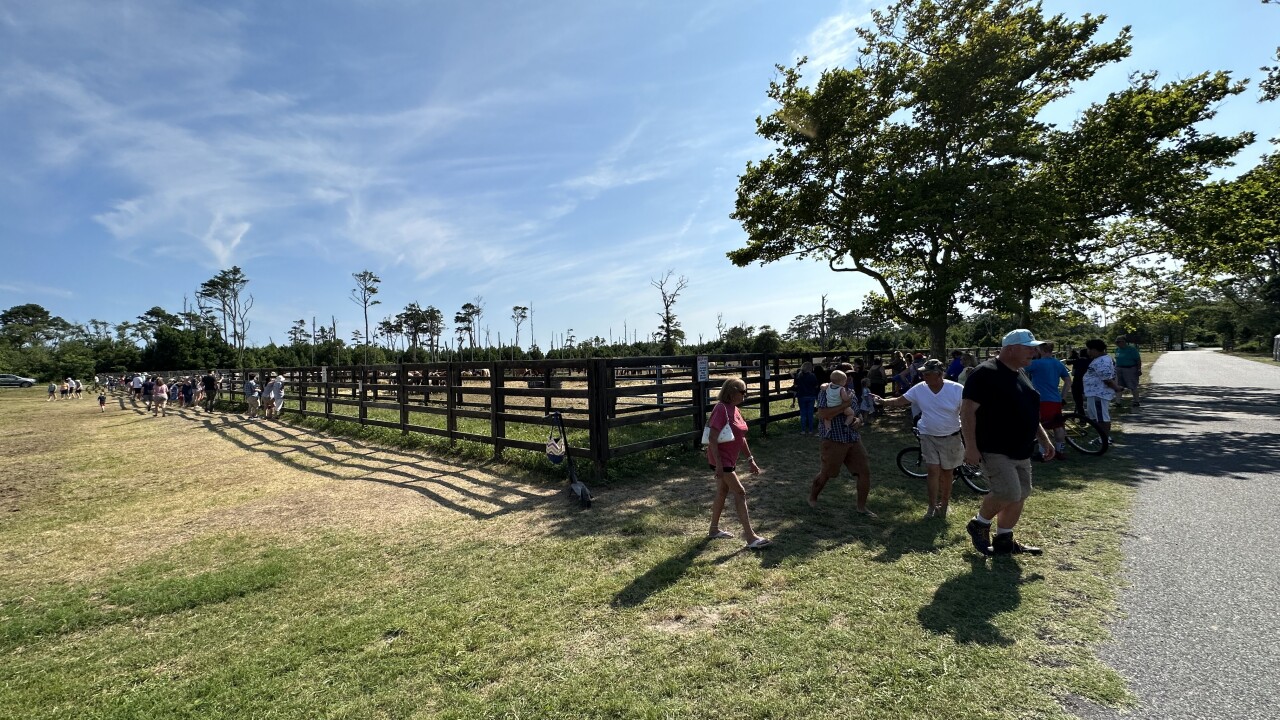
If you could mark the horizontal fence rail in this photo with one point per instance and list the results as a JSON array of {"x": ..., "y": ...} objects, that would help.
[{"x": 610, "y": 407}]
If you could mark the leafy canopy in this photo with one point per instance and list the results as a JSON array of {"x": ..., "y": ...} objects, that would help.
[{"x": 928, "y": 168}]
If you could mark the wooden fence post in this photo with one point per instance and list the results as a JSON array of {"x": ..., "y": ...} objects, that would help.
[
  {"x": 305, "y": 379},
  {"x": 764, "y": 394},
  {"x": 597, "y": 417},
  {"x": 548, "y": 375},
  {"x": 657, "y": 375},
  {"x": 362, "y": 387},
  {"x": 699, "y": 411},
  {"x": 402, "y": 397},
  {"x": 327, "y": 379},
  {"x": 451, "y": 402},
  {"x": 497, "y": 406}
]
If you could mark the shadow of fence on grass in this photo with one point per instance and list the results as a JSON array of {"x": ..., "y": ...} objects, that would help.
[{"x": 462, "y": 487}]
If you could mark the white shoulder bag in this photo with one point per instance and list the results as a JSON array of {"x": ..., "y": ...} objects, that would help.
[{"x": 726, "y": 432}]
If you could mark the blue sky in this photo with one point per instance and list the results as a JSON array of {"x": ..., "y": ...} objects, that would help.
[{"x": 555, "y": 154}]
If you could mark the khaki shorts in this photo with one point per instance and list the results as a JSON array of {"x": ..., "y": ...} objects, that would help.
[
  {"x": 945, "y": 451},
  {"x": 1128, "y": 377},
  {"x": 1010, "y": 479},
  {"x": 253, "y": 405}
]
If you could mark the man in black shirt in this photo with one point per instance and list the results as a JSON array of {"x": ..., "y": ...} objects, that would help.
[
  {"x": 210, "y": 383},
  {"x": 1000, "y": 420}
]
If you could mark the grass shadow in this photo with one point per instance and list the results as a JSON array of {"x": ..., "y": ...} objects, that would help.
[
  {"x": 966, "y": 606},
  {"x": 659, "y": 577}
]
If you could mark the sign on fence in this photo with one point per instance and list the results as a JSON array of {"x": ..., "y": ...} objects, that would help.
[{"x": 703, "y": 371}]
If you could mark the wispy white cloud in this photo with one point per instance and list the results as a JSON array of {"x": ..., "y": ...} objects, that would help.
[
  {"x": 22, "y": 288},
  {"x": 222, "y": 238},
  {"x": 835, "y": 40},
  {"x": 611, "y": 172},
  {"x": 201, "y": 161}
]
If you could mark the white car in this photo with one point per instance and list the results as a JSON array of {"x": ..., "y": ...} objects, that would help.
[{"x": 7, "y": 380}]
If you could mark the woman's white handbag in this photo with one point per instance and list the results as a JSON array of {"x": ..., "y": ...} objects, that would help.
[{"x": 726, "y": 432}]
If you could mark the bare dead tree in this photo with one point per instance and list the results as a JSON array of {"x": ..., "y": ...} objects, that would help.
[{"x": 670, "y": 333}]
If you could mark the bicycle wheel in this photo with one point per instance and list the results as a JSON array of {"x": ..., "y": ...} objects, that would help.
[
  {"x": 1085, "y": 436},
  {"x": 911, "y": 462},
  {"x": 973, "y": 477}
]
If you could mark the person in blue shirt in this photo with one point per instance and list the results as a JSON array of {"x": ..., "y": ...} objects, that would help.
[
  {"x": 806, "y": 390},
  {"x": 956, "y": 367},
  {"x": 1049, "y": 375}
]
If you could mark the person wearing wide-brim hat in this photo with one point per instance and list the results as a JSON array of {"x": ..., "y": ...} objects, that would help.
[
  {"x": 1000, "y": 422},
  {"x": 936, "y": 402},
  {"x": 274, "y": 396}
]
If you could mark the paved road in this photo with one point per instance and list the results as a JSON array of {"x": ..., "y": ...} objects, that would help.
[{"x": 1201, "y": 636}]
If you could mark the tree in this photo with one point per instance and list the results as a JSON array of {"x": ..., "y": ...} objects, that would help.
[
  {"x": 226, "y": 290},
  {"x": 739, "y": 338},
  {"x": 766, "y": 341},
  {"x": 927, "y": 168},
  {"x": 178, "y": 349},
  {"x": 154, "y": 319},
  {"x": 362, "y": 295},
  {"x": 464, "y": 325},
  {"x": 433, "y": 328},
  {"x": 519, "y": 314},
  {"x": 298, "y": 334},
  {"x": 28, "y": 325},
  {"x": 669, "y": 331},
  {"x": 392, "y": 329}
]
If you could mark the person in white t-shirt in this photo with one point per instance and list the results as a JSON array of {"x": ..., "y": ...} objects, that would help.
[
  {"x": 937, "y": 403},
  {"x": 1100, "y": 385}
]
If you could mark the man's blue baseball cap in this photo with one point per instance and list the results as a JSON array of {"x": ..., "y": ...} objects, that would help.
[{"x": 1020, "y": 337}]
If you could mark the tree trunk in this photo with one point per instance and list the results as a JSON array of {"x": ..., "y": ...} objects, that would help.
[
  {"x": 938, "y": 337},
  {"x": 1024, "y": 308}
]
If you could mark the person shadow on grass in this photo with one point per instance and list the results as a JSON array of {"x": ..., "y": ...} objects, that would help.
[
  {"x": 966, "y": 605},
  {"x": 660, "y": 576}
]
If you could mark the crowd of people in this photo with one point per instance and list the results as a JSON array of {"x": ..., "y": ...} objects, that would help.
[
  {"x": 158, "y": 394},
  {"x": 999, "y": 415}
]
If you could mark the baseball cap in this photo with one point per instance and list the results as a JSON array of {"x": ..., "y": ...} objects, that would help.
[
  {"x": 932, "y": 365},
  {"x": 1019, "y": 337}
]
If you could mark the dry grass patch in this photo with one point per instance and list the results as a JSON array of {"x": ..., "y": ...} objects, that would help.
[{"x": 106, "y": 490}]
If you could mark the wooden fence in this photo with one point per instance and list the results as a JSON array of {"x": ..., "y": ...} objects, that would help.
[{"x": 611, "y": 407}]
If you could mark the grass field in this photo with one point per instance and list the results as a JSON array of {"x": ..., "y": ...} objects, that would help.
[{"x": 203, "y": 566}]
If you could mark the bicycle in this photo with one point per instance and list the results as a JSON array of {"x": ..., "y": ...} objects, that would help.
[
  {"x": 1086, "y": 435},
  {"x": 911, "y": 463}
]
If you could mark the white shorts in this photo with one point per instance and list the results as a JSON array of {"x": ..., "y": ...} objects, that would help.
[{"x": 1097, "y": 409}]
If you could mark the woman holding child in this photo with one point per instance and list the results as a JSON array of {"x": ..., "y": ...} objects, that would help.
[{"x": 723, "y": 458}]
